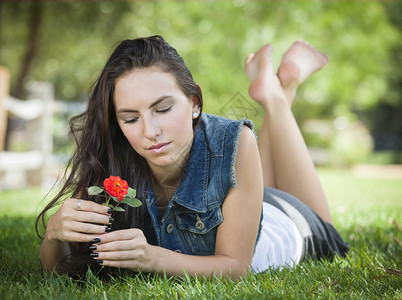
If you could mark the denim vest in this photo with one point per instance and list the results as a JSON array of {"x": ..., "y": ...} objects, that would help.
[{"x": 193, "y": 215}]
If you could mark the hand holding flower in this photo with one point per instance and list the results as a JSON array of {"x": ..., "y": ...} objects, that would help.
[
  {"x": 72, "y": 224},
  {"x": 127, "y": 248}
]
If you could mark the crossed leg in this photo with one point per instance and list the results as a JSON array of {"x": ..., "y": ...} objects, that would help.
[{"x": 285, "y": 160}]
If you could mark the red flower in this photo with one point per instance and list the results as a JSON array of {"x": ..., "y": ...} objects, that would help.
[{"x": 116, "y": 187}]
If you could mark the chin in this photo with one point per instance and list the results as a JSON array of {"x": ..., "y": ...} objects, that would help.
[{"x": 164, "y": 162}]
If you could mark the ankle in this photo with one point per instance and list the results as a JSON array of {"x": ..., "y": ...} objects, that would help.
[
  {"x": 275, "y": 106},
  {"x": 290, "y": 94},
  {"x": 289, "y": 74}
]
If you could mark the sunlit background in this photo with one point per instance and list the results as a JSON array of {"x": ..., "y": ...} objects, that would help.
[{"x": 350, "y": 112}]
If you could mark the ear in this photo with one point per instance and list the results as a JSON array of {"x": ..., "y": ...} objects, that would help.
[
  {"x": 199, "y": 87},
  {"x": 196, "y": 101}
]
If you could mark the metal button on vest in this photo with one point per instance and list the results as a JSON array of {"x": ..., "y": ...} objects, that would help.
[
  {"x": 200, "y": 225},
  {"x": 169, "y": 228},
  {"x": 178, "y": 251}
]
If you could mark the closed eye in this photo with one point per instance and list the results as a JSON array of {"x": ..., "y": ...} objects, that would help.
[
  {"x": 161, "y": 111},
  {"x": 133, "y": 120},
  {"x": 164, "y": 110}
]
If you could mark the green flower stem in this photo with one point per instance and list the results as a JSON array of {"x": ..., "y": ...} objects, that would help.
[{"x": 107, "y": 201}]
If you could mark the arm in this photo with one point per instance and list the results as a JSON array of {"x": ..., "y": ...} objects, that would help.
[
  {"x": 69, "y": 224},
  {"x": 235, "y": 239}
]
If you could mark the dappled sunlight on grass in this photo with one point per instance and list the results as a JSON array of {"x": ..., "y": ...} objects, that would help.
[
  {"x": 371, "y": 226},
  {"x": 24, "y": 202},
  {"x": 354, "y": 196}
]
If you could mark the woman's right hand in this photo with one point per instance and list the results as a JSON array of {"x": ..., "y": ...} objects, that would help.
[{"x": 78, "y": 223}]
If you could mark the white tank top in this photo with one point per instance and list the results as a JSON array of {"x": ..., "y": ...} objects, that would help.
[{"x": 280, "y": 243}]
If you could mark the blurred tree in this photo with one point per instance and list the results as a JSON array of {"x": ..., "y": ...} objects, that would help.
[
  {"x": 35, "y": 18},
  {"x": 214, "y": 37},
  {"x": 63, "y": 45},
  {"x": 385, "y": 118}
]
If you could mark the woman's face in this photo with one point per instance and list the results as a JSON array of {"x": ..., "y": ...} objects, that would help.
[{"x": 156, "y": 117}]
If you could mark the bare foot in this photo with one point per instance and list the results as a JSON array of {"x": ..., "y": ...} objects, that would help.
[
  {"x": 264, "y": 82},
  {"x": 298, "y": 63}
]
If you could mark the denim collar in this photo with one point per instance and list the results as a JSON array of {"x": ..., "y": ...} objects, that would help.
[{"x": 194, "y": 181}]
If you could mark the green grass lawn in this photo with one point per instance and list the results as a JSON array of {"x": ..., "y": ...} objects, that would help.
[{"x": 367, "y": 212}]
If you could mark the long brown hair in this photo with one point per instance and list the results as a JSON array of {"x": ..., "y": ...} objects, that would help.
[{"x": 102, "y": 149}]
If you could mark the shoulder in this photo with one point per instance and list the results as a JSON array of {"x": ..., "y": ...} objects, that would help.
[
  {"x": 221, "y": 133},
  {"x": 221, "y": 138},
  {"x": 246, "y": 138},
  {"x": 213, "y": 123},
  {"x": 246, "y": 159}
]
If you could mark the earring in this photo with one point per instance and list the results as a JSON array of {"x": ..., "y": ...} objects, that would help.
[{"x": 196, "y": 113}]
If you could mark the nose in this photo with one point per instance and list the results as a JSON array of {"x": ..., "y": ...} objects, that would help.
[{"x": 151, "y": 128}]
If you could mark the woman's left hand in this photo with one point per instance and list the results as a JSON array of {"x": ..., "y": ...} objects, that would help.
[{"x": 127, "y": 249}]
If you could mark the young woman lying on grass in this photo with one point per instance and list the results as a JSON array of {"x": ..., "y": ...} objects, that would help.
[{"x": 200, "y": 177}]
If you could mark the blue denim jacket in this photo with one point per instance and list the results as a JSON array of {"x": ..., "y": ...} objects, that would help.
[{"x": 191, "y": 220}]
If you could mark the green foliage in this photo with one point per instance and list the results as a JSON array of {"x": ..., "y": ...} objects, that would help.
[
  {"x": 214, "y": 38},
  {"x": 361, "y": 38},
  {"x": 367, "y": 212},
  {"x": 95, "y": 190},
  {"x": 133, "y": 202},
  {"x": 349, "y": 148}
]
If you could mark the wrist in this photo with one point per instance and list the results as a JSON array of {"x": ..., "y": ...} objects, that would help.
[
  {"x": 50, "y": 239},
  {"x": 49, "y": 236},
  {"x": 154, "y": 261}
]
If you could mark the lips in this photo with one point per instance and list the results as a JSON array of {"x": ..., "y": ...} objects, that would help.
[{"x": 158, "y": 148}]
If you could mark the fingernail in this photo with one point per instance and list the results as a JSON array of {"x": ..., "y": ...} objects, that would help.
[
  {"x": 109, "y": 210},
  {"x": 99, "y": 261},
  {"x": 94, "y": 254},
  {"x": 96, "y": 240},
  {"x": 108, "y": 229},
  {"x": 111, "y": 220},
  {"x": 92, "y": 247}
]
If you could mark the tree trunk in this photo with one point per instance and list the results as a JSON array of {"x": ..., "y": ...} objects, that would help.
[{"x": 34, "y": 25}]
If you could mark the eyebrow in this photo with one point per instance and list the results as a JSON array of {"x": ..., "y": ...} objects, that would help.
[{"x": 126, "y": 110}]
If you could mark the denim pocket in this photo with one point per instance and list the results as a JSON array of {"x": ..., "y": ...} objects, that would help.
[{"x": 199, "y": 229}]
